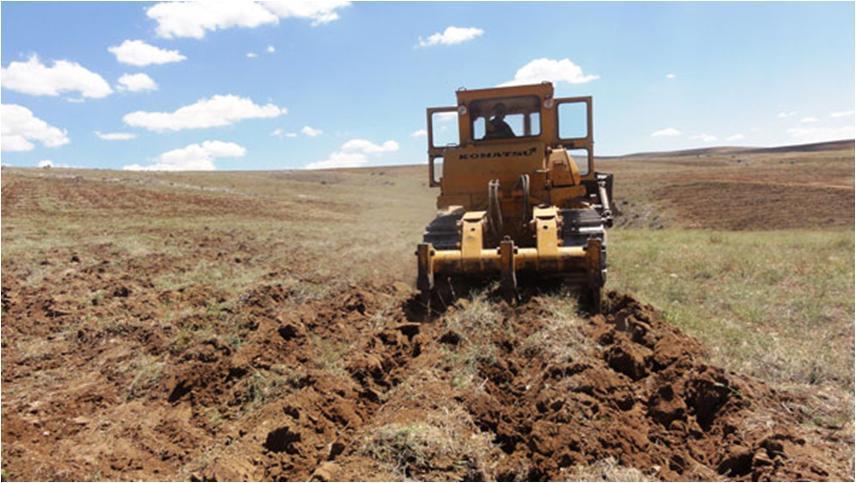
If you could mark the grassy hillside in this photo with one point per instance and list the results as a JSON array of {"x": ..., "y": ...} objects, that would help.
[{"x": 118, "y": 285}]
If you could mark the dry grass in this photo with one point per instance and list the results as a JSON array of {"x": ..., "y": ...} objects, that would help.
[
  {"x": 604, "y": 470},
  {"x": 559, "y": 338},
  {"x": 474, "y": 321},
  {"x": 444, "y": 442}
]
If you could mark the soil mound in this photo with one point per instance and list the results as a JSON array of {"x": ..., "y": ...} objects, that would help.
[{"x": 358, "y": 386}]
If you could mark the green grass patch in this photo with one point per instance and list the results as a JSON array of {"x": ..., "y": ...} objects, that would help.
[{"x": 778, "y": 304}]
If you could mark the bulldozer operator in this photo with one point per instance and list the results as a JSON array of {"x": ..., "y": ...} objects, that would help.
[{"x": 497, "y": 128}]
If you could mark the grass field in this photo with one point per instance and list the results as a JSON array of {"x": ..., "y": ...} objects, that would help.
[{"x": 122, "y": 290}]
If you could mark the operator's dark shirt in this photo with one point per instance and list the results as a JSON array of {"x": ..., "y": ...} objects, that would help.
[{"x": 498, "y": 129}]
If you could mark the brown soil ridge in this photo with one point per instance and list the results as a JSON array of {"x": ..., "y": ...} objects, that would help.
[
  {"x": 322, "y": 389},
  {"x": 642, "y": 395}
]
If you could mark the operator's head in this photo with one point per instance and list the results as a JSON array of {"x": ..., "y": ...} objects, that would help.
[{"x": 499, "y": 111}]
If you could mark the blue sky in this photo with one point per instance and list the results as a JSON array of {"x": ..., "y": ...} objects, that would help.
[{"x": 348, "y": 84}]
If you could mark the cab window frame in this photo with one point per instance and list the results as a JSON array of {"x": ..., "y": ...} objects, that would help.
[{"x": 476, "y": 112}]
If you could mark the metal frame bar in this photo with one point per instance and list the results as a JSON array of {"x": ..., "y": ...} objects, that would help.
[
  {"x": 586, "y": 142},
  {"x": 435, "y": 152}
]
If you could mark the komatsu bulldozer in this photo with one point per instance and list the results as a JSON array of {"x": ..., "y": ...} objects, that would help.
[{"x": 518, "y": 192}]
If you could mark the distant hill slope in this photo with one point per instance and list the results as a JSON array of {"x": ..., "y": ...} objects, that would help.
[{"x": 812, "y": 147}]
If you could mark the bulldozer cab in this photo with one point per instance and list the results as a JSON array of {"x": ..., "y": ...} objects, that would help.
[{"x": 464, "y": 138}]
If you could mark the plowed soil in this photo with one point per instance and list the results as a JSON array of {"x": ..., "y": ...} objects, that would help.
[
  {"x": 626, "y": 386},
  {"x": 234, "y": 333}
]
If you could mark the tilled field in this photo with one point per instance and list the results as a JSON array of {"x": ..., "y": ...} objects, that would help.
[
  {"x": 546, "y": 394},
  {"x": 231, "y": 334}
]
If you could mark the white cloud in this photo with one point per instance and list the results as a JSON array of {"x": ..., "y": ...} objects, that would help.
[
  {"x": 319, "y": 11},
  {"x": 34, "y": 78},
  {"x": 136, "y": 83},
  {"x": 20, "y": 128},
  {"x": 841, "y": 114},
  {"x": 419, "y": 133},
  {"x": 280, "y": 133},
  {"x": 669, "y": 131},
  {"x": 451, "y": 36},
  {"x": 194, "y": 19},
  {"x": 252, "y": 55},
  {"x": 340, "y": 159},
  {"x": 311, "y": 131},
  {"x": 47, "y": 163},
  {"x": 735, "y": 137},
  {"x": 670, "y": 76},
  {"x": 306, "y": 131},
  {"x": 270, "y": 49},
  {"x": 706, "y": 138},
  {"x": 368, "y": 147},
  {"x": 213, "y": 112},
  {"x": 140, "y": 54},
  {"x": 818, "y": 134},
  {"x": 354, "y": 153},
  {"x": 552, "y": 70},
  {"x": 115, "y": 136},
  {"x": 783, "y": 115},
  {"x": 195, "y": 157},
  {"x": 809, "y": 120}
]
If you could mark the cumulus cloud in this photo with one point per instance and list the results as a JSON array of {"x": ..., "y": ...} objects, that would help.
[
  {"x": 213, "y": 112},
  {"x": 140, "y": 54},
  {"x": 20, "y": 128},
  {"x": 706, "y": 138},
  {"x": 319, "y": 11},
  {"x": 252, "y": 55},
  {"x": 194, "y": 157},
  {"x": 809, "y": 120},
  {"x": 270, "y": 49},
  {"x": 368, "y": 147},
  {"x": 136, "y": 83},
  {"x": 47, "y": 163},
  {"x": 419, "y": 133},
  {"x": 819, "y": 134},
  {"x": 735, "y": 137},
  {"x": 841, "y": 114},
  {"x": 34, "y": 78},
  {"x": 353, "y": 154},
  {"x": 311, "y": 131},
  {"x": 115, "y": 136},
  {"x": 670, "y": 76},
  {"x": 555, "y": 71},
  {"x": 451, "y": 36},
  {"x": 666, "y": 132},
  {"x": 784, "y": 115},
  {"x": 194, "y": 19}
]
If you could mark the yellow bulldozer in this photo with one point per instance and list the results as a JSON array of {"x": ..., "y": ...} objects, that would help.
[{"x": 519, "y": 193}]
